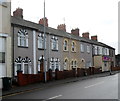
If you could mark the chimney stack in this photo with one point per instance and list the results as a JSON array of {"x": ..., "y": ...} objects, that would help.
[
  {"x": 85, "y": 35},
  {"x": 94, "y": 38},
  {"x": 62, "y": 27},
  {"x": 18, "y": 13},
  {"x": 41, "y": 21},
  {"x": 75, "y": 31}
]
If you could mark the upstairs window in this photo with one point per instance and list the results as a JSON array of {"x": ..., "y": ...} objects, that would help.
[
  {"x": 54, "y": 43},
  {"x": 73, "y": 47},
  {"x": 41, "y": 41},
  {"x": 65, "y": 45},
  {"x": 88, "y": 49},
  {"x": 82, "y": 48},
  {"x": 22, "y": 38}
]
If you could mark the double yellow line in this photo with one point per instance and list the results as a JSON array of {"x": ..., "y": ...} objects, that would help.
[{"x": 21, "y": 92}]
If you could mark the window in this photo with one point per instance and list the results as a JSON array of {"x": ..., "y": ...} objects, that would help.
[
  {"x": 41, "y": 41},
  {"x": 2, "y": 57},
  {"x": 52, "y": 66},
  {"x": 98, "y": 50},
  {"x": 73, "y": 47},
  {"x": 65, "y": 45},
  {"x": 65, "y": 64},
  {"x": 82, "y": 47},
  {"x": 54, "y": 43},
  {"x": 88, "y": 49},
  {"x": 88, "y": 64},
  {"x": 26, "y": 71},
  {"x": 73, "y": 64},
  {"x": 22, "y": 38},
  {"x": 55, "y": 63},
  {"x": 23, "y": 64},
  {"x": 18, "y": 66}
]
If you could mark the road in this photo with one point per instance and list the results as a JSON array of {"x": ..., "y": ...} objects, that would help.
[{"x": 94, "y": 88}]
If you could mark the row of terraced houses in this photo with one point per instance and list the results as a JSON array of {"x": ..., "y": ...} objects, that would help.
[{"x": 64, "y": 51}]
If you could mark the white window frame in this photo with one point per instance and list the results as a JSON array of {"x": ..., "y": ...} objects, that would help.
[
  {"x": 22, "y": 38},
  {"x": 26, "y": 69},
  {"x": 72, "y": 64},
  {"x": 82, "y": 48},
  {"x": 65, "y": 45},
  {"x": 75, "y": 64},
  {"x": 73, "y": 48},
  {"x": 65, "y": 64},
  {"x": 88, "y": 49},
  {"x": 54, "y": 43},
  {"x": 41, "y": 41}
]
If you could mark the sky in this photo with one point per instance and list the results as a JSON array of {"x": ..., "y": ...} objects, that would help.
[{"x": 98, "y": 17}]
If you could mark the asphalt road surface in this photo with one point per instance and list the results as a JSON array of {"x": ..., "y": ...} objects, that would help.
[{"x": 94, "y": 88}]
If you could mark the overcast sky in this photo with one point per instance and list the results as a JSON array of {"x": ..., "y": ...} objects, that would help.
[{"x": 98, "y": 17}]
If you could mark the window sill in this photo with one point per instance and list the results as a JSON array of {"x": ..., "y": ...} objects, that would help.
[
  {"x": 73, "y": 51},
  {"x": 54, "y": 50},
  {"x": 65, "y": 50},
  {"x": 41, "y": 49},
  {"x": 22, "y": 46}
]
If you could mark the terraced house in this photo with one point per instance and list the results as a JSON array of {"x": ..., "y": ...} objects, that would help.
[
  {"x": 5, "y": 40},
  {"x": 64, "y": 51}
]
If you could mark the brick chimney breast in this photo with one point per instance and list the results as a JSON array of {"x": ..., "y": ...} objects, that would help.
[
  {"x": 94, "y": 38},
  {"x": 18, "y": 13},
  {"x": 85, "y": 35},
  {"x": 75, "y": 31},
  {"x": 62, "y": 27},
  {"x": 41, "y": 21}
]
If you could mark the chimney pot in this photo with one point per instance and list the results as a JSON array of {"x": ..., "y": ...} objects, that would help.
[
  {"x": 75, "y": 31},
  {"x": 85, "y": 35},
  {"x": 41, "y": 21},
  {"x": 94, "y": 38},
  {"x": 18, "y": 13},
  {"x": 62, "y": 27}
]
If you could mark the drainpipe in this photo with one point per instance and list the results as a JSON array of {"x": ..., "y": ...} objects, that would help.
[{"x": 13, "y": 65}]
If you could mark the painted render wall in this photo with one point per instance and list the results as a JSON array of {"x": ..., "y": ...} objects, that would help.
[{"x": 5, "y": 29}]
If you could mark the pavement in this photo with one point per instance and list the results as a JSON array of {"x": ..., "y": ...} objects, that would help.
[{"x": 30, "y": 87}]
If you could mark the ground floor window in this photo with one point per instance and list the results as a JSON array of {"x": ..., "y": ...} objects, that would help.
[
  {"x": 88, "y": 64},
  {"x": 73, "y": 64},
  {"x": 19, "y": 66},
  {"x": 26, "y": 69},
  {"x": 23, "y": 64},
  {"x": 54, "y": 63}
]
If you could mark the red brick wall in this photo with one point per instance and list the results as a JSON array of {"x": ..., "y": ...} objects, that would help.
[
  {"x": 115, "y": 68},
  {"x": 25, "y": 79}
]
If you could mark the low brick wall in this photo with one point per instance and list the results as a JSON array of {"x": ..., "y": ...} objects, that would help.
[
  {"x": 115, "y": 68},
  {"x": 97, "y": 70},
  {"x": 25, "y": 79},
  {"x": 64, "y": 74}
]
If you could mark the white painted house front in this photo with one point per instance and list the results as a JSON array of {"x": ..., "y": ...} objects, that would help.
[{"x": 5, "y": 40}]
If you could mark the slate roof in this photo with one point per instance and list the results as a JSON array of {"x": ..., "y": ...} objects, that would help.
[{"x": 21, "y": 22}]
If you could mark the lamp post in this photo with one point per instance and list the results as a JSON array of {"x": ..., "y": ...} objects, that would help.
[{"x": 44, "y": 47}]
